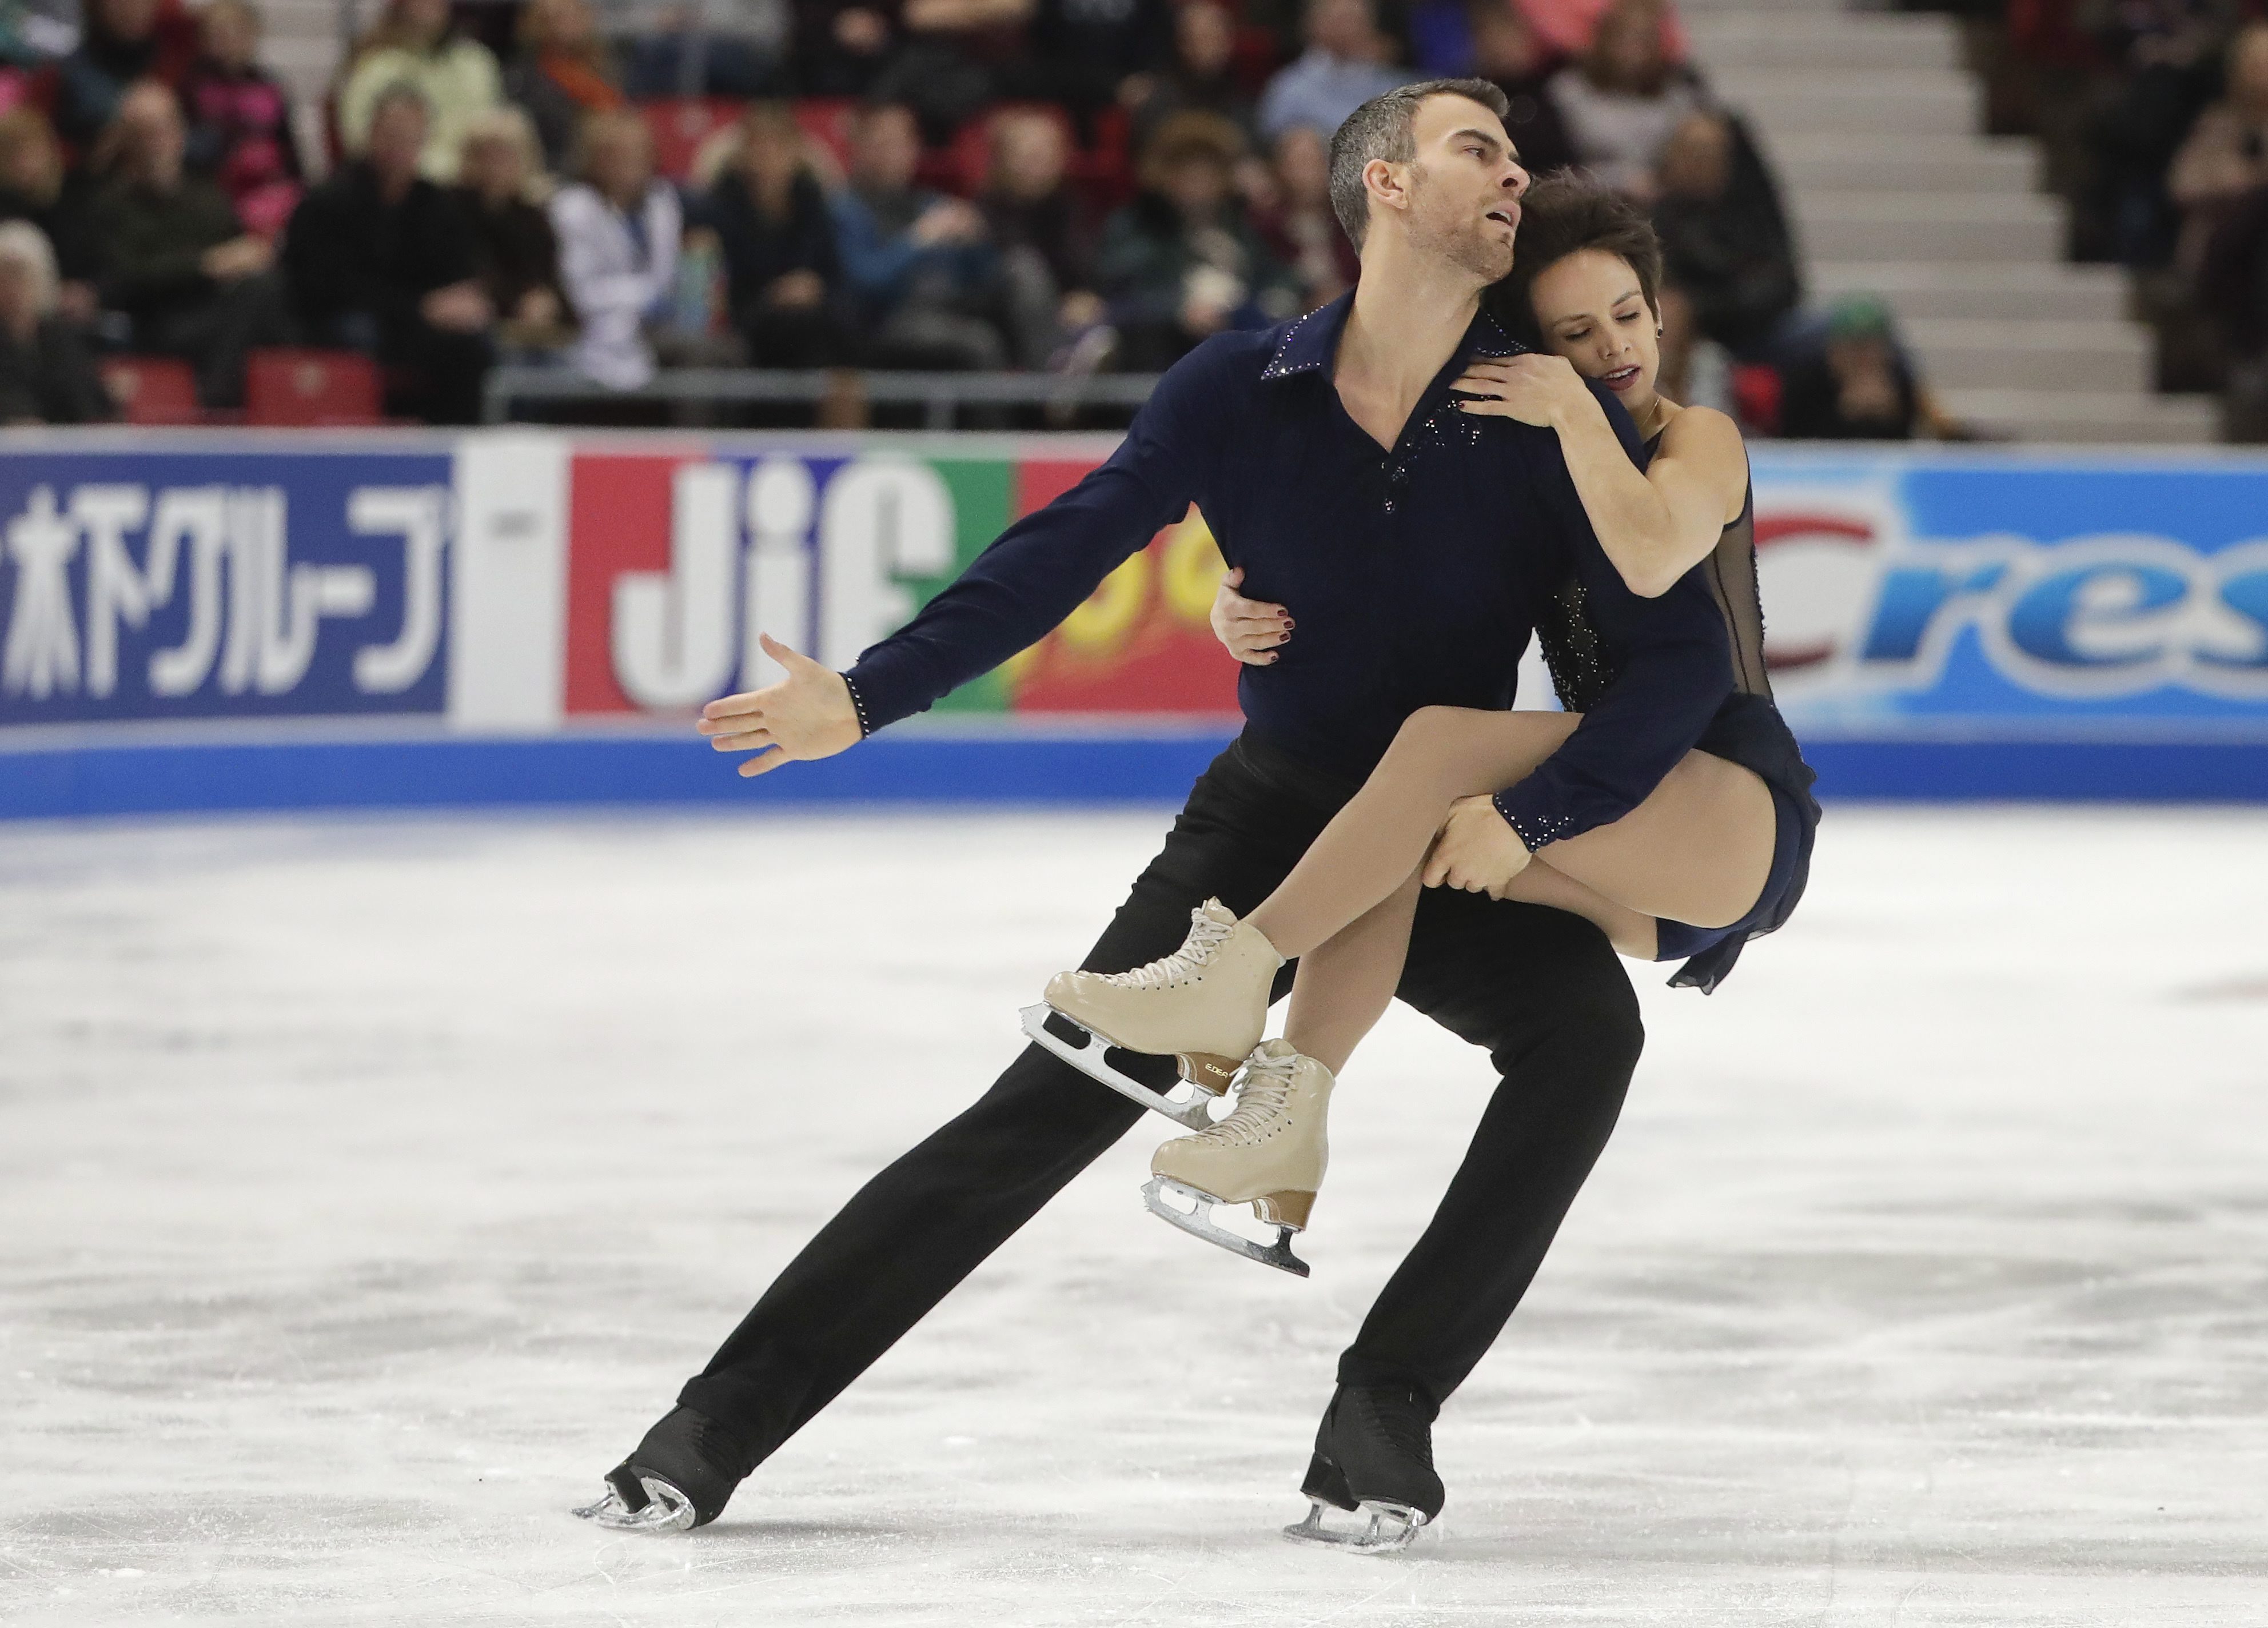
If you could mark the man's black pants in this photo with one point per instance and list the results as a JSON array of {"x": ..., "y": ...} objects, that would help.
[{"x": 1539, "y": 989}]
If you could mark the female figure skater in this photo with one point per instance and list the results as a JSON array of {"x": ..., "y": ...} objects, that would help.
[{"x": 1716, "y": 855}]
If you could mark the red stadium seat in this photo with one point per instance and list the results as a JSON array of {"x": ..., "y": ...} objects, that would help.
[
  {"x": 681, "y": 126},
  {"x": 152, "y": 389},
  {"x": 310, "y": 388},
  {"x": 1755, "y": 397}
]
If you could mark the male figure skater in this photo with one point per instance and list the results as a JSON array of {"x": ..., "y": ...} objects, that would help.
[{"x": 1417, "y": 546}]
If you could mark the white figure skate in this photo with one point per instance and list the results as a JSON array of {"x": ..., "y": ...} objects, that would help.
[
  {"x": 1204, "y": 1005},
  {"x": 1270, "y": 1152}
]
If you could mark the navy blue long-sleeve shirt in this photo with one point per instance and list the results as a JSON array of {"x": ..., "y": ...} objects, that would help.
[{"x": 1416, "y": 575}]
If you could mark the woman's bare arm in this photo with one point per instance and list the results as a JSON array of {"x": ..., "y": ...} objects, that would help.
[{"x": 1654, "y": 525}]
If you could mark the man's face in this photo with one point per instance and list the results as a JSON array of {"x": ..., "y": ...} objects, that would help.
[
  {"x": 1028, "y": 157},
  {"x": 1343, "y": 28},
  {"x": 1464, "y": 186},
  {"x": 154, "y": 135},
  {"x": 1206, "y": 35},
  {"x": 397, "y": 136},
  {"x": 621, "y": 163},
  {"x": 885, "y": 150}
]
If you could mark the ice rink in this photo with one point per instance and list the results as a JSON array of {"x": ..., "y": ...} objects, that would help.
[{"x": 367, "y": 1187}]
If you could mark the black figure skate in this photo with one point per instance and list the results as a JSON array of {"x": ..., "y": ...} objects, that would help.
[
  {"x": 677, "y": 1479},
  {"x": 1373, "y": 1455}
]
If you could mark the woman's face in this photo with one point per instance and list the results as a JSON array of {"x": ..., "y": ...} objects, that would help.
[
  {"x": 1591, "y": 311},
  {"x": 424, "y": 19},
  {"x": 492, "y": 166}
]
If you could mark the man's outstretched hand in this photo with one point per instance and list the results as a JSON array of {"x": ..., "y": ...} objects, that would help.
[{"x": 807, "y": 714}]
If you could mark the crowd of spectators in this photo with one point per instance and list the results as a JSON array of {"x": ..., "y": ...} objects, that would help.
[
  {"x": 1065, "y": 185},
  {"x": 2155, "y": 117}
]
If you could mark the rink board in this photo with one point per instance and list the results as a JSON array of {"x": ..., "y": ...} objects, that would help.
[{"x": 197, "y": 620}]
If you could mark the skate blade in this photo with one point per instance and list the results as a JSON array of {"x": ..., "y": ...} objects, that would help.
[
  {"x": 1387, "y": 1527},
  {"x": 1199, "y": 1223},
  {"x": 667, "y": 1509},
  {"x": 1193, "y": 1112}
]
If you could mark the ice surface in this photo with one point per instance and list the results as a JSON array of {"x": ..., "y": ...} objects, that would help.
[{"x": 366, "y": 1188}]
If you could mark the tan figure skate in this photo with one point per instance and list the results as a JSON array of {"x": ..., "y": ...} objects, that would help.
[
  {"x": 1204, "y": 1005},
  {"x": 1269, "y": 1152}
]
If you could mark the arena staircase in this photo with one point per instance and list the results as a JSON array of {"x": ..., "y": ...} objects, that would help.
[
  {"x": 301, "y": 47},
  {"x": 1870, "y": 120}
]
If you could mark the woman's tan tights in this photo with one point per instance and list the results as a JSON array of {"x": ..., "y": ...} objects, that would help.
[{"x": 1697, "y": 850}]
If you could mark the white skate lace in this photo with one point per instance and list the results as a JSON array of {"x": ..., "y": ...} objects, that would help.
[
  {"x": 1264, "y": 1092},
  {"x": 1206, "y": 935}
]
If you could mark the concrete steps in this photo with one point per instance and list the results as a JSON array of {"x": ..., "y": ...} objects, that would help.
[
  {"x": 1871, "y": 121},
  {"x": 1919, "y": 289},
  {"x": 1937, "y": 165},
  {"x": 2032, "y": 355},
  {"x": 2097, "y": 418},
  {"x": 2022, "y": 227},
  {"x": 1780, "y": 39},
  {"x": 1791, "y": 103}
]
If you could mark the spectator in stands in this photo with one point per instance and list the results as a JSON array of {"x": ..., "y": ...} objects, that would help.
[
  {"x": 1094, "y": 54},
  {"x": 563, "y": 71},
  {"x": 922, "y": 273},
  {"x": 172, "y": 256},
  {"x": 1569, "y": 27},
  {"x": 2225, "y": 156},
  {"x": 1044, "y": 235},
  {"x": 35, "y": 187},
  {"x": 1510, "y": 54},
  {"x": 1728, "y": 260},
  {"x": 783, "y": 279},
  {"x": 1181, "y": 261},
  {"x": 700, "y": 47},
  {"x": 619, "y": 227},
  {"x": 842, "y": 46},
  {"x": 1859, "y": 385},
  {"x": 515, "y": 254},
  {"x": 123, "y": 42},
  {"x": 1298, "y": 223},
  {"x": 45, "y": 377},
  {"x": 953, "y": 57},
  {"x": 380, "y": 261},
  {"x": 240, "y": 119},
  {"x": 2232, "y": 286},
  {"x": 1345, "y": 65},
  {"x": 1625, "y": 97},
  {"x": 1200, "y": 76},
  {"x": 417, "y": 44},
  {"x": 2167, "y": 55}
]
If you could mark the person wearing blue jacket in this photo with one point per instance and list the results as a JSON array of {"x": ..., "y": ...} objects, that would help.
[{"x": 1422, "y": 545}]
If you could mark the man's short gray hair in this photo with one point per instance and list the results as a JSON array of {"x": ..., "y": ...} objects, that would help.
[{"x": 1380, "y": 128}]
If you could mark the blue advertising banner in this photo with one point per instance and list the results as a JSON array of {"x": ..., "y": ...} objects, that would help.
[
  {"x": 529, "y": 616},
  {"x": 226, "y": 583},
  {"x": 2016, "y": 595}
]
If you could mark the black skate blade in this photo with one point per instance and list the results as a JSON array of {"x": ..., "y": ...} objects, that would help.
[
  {"x": 1387, "y": 1529},
  {"x": 1199, "y": 1223},
  {"x": 1090, "y": 1055}
]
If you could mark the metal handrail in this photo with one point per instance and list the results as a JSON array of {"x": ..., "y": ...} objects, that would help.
[{"x": 941, "y": 393}]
